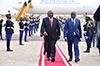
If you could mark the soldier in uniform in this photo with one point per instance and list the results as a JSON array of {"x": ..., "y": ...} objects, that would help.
[
  {"x": 32, "y": 23},
  {"x": 30, "y": 26},
  {"x": 9, "y": 31},
  {"x": 37, "y": 21},
  {"x": 88, "y": 33},
  {"x": 21, "y": 29},
  {"x": 26, "y": 30},
  {"x": 1, "y": 28}
]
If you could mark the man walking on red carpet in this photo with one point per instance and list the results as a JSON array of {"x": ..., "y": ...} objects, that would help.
[
  {"x": 72, "y": 34},
  {"x": 51, "y": 30}
]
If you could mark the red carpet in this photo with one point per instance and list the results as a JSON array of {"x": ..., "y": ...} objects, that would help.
[{"x": 59, "y": 61}]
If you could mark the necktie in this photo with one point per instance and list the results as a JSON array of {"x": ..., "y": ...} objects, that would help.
[
  {"x": 51, "y": 22},
  {"x": 73, "y": 22}
]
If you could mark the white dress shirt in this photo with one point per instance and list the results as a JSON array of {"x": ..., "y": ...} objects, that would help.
[
  {"x": 51, "y": 19},
  {"x": 73, "y": 20}
]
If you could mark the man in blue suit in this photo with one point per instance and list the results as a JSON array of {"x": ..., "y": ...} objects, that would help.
[{"x": 72, "y": 34}]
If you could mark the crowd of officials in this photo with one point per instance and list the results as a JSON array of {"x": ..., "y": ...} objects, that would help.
[
  {"x": 72, "y": 34},
  {"x": 30, "y": 25}
]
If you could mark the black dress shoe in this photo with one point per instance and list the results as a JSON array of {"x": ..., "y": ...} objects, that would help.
[
  {"x": 26, "y": 41},
  {"x": 87, "y": 51},
  {"x": 48, "y": 59},
  {"x": 2, "y": 39},
  {"x": 21, "y": 44},
  {"x": 76, "y": 60},
  {"x": 9, "y": 50},
  {"x": 70, "y": 60},
  {"x": 52, "y": 60}
]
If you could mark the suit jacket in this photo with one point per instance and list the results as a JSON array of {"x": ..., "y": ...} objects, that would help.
[
  {"x": 54, "y": 31},
  {"x": 69, "y": 29},
  {"x": 97, "y": 14}
]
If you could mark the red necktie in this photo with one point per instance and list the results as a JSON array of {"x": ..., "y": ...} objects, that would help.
[{"x": 51, "y": 22}]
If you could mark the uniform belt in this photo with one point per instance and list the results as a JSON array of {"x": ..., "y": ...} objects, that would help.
[
  {"x": 36, "y": 23},
  {"x": 22, "y": 29},
  {"x": 10, "y": 27},
  {"x": 26, "y": 27},
  {"x": 30, "y": 24},
  {"x": 33, "y": 24}
]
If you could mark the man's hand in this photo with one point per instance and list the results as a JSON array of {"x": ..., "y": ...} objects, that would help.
[
  {"x": 3, "y": 26},
  {"x": 66, "y": 39},
  {"x": 41, "y": 35},
  {"x": 79, "y": 40},
  {"x": 58, "y": 37},
  {"x": 98, "y": 36},
  {"x": 45, "y": 34}
]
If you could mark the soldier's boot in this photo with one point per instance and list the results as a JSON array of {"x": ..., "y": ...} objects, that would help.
[
  {"x": 1, "y": 37},
  {"x": 8, "y": 47},
  {"x": 88, "y": 48},
  {"x": 29, "y": 33},
  {"x": 32, "y": 32},
  {"x": 20, "y": 41},
  {"x": 25, "y": 39}
]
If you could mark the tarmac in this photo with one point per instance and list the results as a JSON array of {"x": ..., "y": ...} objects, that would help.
[{"x": 29, "y": 53}]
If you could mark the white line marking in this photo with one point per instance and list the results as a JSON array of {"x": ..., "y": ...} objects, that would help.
[
  {"x": 62, "y": 56},
  {"x": 43, "y": 56}
]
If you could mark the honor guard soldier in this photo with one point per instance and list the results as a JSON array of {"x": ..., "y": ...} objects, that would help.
[
  {"x": 1, "y": 28},
  {"x": 9, "y": 31},
  {"x": 88, "y": 33},
  {"x": 37, "y": 23},
  {"x": 33, "y": 24},
  {"x": 21, "y": 29},
  {"x": 30, "y": 26},
  {"x": 26, "y": 30}
]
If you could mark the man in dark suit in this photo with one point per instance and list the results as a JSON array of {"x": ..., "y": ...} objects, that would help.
[
  {"x": 1, "y": 28},
  {"x": 51, "y": 31},
  {"x": 72, "y": 34}
]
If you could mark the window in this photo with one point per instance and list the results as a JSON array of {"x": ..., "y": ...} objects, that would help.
[{"x": 19, "y": 2}]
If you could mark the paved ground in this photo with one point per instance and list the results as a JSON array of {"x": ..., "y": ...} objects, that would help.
[{"x": 28, "y": 55}]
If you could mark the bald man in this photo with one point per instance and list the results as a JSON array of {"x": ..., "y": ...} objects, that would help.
[
  {"x": 72, "y": 34},
  {"x": 51, "y": 30}
]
